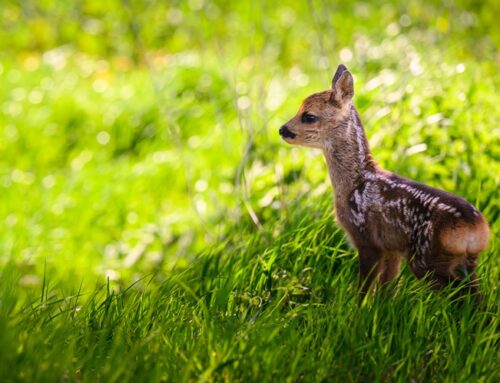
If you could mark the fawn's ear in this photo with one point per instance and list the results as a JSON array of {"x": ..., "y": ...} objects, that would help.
[{"x": 342, "y": 85}]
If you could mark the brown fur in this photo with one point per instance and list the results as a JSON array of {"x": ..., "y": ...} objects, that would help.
[
  {"x": 387, "y": 217},
  {"x": 467, "y": 239}
]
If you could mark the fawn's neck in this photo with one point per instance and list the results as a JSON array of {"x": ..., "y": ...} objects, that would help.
[{"x": 348, "y": 156}]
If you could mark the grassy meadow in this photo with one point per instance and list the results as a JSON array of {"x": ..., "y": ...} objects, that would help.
[{"x": 154, "y": 227}]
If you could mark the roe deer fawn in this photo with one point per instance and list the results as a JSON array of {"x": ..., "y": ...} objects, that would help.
[{"x": 385, "y": 215}]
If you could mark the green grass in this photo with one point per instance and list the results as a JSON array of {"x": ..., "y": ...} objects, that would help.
[{"x": 154, "y": 227}]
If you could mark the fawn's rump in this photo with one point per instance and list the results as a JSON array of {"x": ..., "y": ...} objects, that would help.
[{"x": 466, "y": 239}]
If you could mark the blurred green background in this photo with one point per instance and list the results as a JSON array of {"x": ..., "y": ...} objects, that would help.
[
  {"x": 139, "y": 139},
  {"x": 134, "y": 133}
]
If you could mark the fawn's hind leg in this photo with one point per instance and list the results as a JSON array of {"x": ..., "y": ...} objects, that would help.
[
  {"x": 448, "y": 269},
  {"x": 473, "y": 283}
]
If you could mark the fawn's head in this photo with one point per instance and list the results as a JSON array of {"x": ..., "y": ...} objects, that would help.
[{"x": 321, "y": 115}]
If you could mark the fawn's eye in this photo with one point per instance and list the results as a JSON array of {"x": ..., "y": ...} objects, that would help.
[{"x": 308, "y": 118}]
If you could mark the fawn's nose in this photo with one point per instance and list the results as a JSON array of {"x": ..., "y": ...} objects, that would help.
[{"x": 286, "y": 133}]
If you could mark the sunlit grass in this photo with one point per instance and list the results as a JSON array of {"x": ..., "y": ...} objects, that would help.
[{"x": 270, "y": 307}]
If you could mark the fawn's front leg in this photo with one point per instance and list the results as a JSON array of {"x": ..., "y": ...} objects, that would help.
[
  {"x": 371, "y": 266},
  {"x": 391, "y": 264}
]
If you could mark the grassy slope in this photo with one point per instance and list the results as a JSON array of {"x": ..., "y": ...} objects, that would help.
[{"x": 151, "y": 173}]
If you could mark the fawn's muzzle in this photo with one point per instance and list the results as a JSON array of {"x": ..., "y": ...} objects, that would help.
[{"x": 286, "y": 133}]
